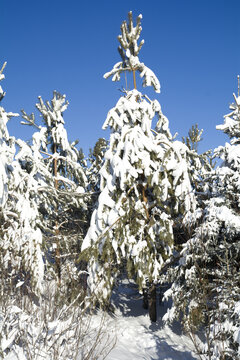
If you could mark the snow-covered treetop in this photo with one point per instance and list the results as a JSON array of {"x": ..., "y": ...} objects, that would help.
[
  {"x": 129, "y": 50},
  {"x": 231, "y": 125},
  {"x": 52, "y": 140},
  {"x": 52, "y": 113}
]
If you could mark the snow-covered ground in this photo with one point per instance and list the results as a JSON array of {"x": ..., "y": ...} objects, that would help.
[
  {"x": 138, "y": 338},
  {"x": 127, "y": 330}
]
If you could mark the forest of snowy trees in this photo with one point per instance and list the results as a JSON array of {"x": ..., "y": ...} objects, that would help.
[{"x": 142, "y": 206}]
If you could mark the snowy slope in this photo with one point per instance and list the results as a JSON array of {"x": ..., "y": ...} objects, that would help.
[{"x": 137, "y": 338}]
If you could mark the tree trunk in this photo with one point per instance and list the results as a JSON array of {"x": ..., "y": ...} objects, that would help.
[
  {"x": 145, "y": 298},
  {"x": 152, "y": 303},
  {"x": 161, "y": 292}
]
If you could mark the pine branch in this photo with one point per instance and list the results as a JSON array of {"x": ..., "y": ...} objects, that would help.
[
  {"x": 30, "y": 120},
  {"x": 68, "y": 193}
]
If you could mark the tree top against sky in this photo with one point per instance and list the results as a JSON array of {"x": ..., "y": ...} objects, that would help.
[
  {"x": 129, "y": 50},
  {"x": 190, "y": 45}
]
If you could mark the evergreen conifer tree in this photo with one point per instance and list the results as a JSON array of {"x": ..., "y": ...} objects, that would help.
[
  {"x": 21, "y": 238},
  {"x": 62, "y": 202},
  {"x": 199, "y": 167},
  {"x": 205, "y": 286},
  {"x": 144, "y": 179}
]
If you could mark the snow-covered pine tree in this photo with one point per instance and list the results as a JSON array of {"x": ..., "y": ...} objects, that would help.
[
  {"x": 192, "y": 141},
  {"x": 199, "y": 168},
  {"x": 62, "y": 203},
  {"x": 32, "y": 329},
  {"x": 206, "y": 282},
  {"x": 144, "y": 179},
  {"x": 20, "y": 239}
]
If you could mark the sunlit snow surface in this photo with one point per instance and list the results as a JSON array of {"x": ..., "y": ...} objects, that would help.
[
  {"x": 128, "y": 331},
  {"x": 137, "y": 338}
]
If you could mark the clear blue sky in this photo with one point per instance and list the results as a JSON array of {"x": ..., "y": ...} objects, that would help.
[{"x": 192, "y": 46}]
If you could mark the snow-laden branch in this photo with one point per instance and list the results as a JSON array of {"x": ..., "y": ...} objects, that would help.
[{"x": 149, "y": 78}]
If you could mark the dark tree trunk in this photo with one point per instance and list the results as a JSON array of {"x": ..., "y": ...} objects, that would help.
[
  {"x": 152, "y": 303},
  {"x": 145, "y": 298},
  {"x": 161, "y": 292}
]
